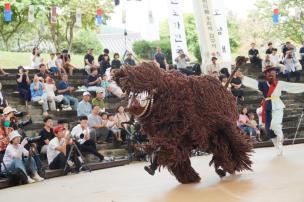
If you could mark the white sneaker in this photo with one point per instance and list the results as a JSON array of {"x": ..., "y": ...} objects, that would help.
[
  {"x": 37, "y": 178},
  {"x": 40, "y": 102},
  {"x": 30, "y": 180}
]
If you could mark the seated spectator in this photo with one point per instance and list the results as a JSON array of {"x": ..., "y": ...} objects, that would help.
[
  {"x": 267, "y": 63},
  {"x": 3, "y": 102},
  {"x": 84, "y": 107},
  {"x": 105, "y": 64},
  {"x": 116, "y": 63},
  {"x": 43, "y": 73},
  {"x": 82, "y": 133},
  {"x": 38, "y": 95},
  {"x": 89, "y": 62},
  {"x": 236, "y": 86},
  {"x": 115, "y": 89},
  {"x": 259, "y": 113},
  {"x": 57, "y": 149},
  {"x": 13, "y": 158},
  {"x": 113, "y": 126},
  {"x": 95, "y": 124},
  {"x": 291, "y": 66},
  {"x": 59, "y": 64},
  {"x": 224, "y": 81},
  {"x": 23, "y": 85},
  {"x": 66, "y": 62},
  {"x": 225, "y": 72},
  {"x": 50, "y": 89},
  {"x": 129, "y": 60},
  {"x": 254, "y": 56},
  {"x": 276, "y": 61},
  {"x": 101, "y": 56},
  {"x": 4, "y": 139},
  {"x": 160, "y": 59},
  {"x": 244, "y": 124},
  {"x": 121, "y": 117},
  {"x": 301, "y": 52},
  {"x": 46, "y": 135},
  {"x": 213, "y": 67},
  {"x": 270, "y": 48},
  {"x": 253, "y": 124},
  {"x": 36, "y": 58},
  {"x": 105, "y": 85},
  {"x": 51, "y": 65},
  {"x": 99, "y": 100},
  {"x": 93, "y": 80},
  {"x": 182, "y": 60},
  {"x": 65, "y": 89}
]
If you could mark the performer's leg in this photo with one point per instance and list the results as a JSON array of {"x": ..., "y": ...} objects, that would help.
[{"x": 276, "y": 126}]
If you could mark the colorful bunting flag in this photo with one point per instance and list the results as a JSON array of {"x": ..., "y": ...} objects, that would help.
[
  {"x": 31, "y": 12},
  {"x": 78, "y": 17},
  {"x": 54, "y": 15},
  {"x": 7, "y": 12}
]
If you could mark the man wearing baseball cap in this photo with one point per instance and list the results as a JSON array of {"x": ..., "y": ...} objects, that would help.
[
  {"x": 84, "y": 107},
  {"x": 273, "y": 107},
  {"x": 57, "y": 149},
  {"x": 13, "y": 158}
]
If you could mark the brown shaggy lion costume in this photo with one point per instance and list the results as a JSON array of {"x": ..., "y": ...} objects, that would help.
[{"x": 181, "y": 113}]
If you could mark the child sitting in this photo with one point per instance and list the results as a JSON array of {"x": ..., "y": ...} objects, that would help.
[
  {"x": 253, "y": 124},
  {"x": 112, "y": 125},
  {"x": 105, "y": 85}
]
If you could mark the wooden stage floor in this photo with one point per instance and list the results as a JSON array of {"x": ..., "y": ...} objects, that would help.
[{"x": 274, "y": 179}]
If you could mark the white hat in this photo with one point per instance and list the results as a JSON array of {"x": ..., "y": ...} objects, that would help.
[
  {"x": 86, "y": 93},
  {"x": 8, "y": 110},
  {"x": 13, "y": 135}
]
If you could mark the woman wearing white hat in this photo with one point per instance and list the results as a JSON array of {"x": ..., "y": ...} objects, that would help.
[{"x": 13, "y": 158}]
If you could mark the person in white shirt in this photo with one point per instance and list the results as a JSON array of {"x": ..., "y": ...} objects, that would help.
[
  {"x": 275, "y": 60},
  {"x": 82, "y": 133},
  {"x": 50, "y": 89},
  {"x": 13, "y": 158},
  {"x": 213, "y": 67},
  {"x": 36, "y": 59},
  {"x": 52, "y": 65}
]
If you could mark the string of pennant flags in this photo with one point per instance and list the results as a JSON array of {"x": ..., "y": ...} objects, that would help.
[{"x": 54, "y": 14}]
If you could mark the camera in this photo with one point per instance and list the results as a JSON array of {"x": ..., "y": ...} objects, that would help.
[
  {"x": 76, "y": 138},
  {"x": 33, "y": 139}
]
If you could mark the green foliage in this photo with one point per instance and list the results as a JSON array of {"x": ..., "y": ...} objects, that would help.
[
  {"x": 61, "y": 35},
  {"x": 86, "y": 39},
  {"x": 233, "y": 35}
]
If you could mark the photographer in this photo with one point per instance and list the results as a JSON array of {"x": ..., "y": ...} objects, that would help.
[
  {"x": 82, "y": 133},
  {"x": 182, "y": 60},
  {"x": 46, "y": 135},
  {"x": 57, "y": 149},
  {"x": 13, "y": 158},
  {"x": 23, "y": 84},
  {"x": 291, "y": 66},
  {"x": 11, "y": 122}
]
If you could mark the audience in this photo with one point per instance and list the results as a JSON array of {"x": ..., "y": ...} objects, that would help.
[
  {"x": 57, "y": 149},
  {"x": 39, "y": 96},
  {"x": 66, "y": 62},
  {"x": 121, "y": 117},
  {"x": 2, "y": 72},
  {"x": 270, "y": 48},
  {"x": 89, "y": 62},
  {"x": 291, "y": 66},
  {"x": 112, "y": 124},
  {"x": 160, "y": 59},
  {"x": 236, "y": 86},
  {"x": 50, "y": 89},
  {"x": 99, "y": 100},
  {"x": 3, "y": 101},
  {"x": 82, "y": 133},
  {"x": 84, "y": 107},
  {"x": 59, "y": 64},
  {"x": 52, "y": 67},
  {"x": 116, "y": 63},
  {"x": 101, "y": 56},
  {"x": 213, "y": 68},
  {"x": 244, "y": 123},
  {"x": 46, "y": 135},
  {"x": 105, "y": 85},
  {"x": 95, "y": 124},
  {"x": 105, "y": 64},
  {"x": 254, "y": 56},
  {"x": 93, "y": 80},
  {"x": 253, "y": 124},
  {"x": 36, "y": 59},
  {"x": 276, "y": 61},
  {"x": 43, "y": 73},
  {"x": 182, "y": 60},
  {"x": 23, "y": 85},
  {"x": 65, "y": 89},
  {"x": 13, "y": 158},
  {"x": 129, "y": 60}
]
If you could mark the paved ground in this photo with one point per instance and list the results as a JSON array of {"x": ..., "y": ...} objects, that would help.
[{"x": 275, "y": 179}]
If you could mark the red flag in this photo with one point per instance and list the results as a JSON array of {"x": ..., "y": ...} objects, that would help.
[
  {"x": 276, "y": 11},
  {"x": 7, "y": 6},
  {"x": 99, "y": 12}
]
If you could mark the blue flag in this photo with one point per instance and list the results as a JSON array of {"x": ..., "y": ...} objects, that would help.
[
  {"x": 99, "y": 20},
  {"x": 7, "y": 16},
  {"x": 276, "y": 18}
]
